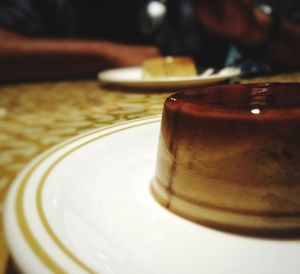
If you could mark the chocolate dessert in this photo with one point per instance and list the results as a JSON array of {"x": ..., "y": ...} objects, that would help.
[{"x": 229, "y": 158}]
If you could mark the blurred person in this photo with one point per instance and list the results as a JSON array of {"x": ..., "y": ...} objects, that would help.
[
  {"x": 267, "y": 31},
  {"x": 50, "y": 39}
]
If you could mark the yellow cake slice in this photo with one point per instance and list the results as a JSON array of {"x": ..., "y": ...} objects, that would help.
[{"x": 169, "y": 67}]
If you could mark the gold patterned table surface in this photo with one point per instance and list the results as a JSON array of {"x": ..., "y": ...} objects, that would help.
[{"x": 36, "y": 116}]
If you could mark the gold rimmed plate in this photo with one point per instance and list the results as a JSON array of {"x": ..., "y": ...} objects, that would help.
[{"x": 85, "y": 206}]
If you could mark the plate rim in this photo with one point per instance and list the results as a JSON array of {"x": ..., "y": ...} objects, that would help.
[{"x": 18, "y": 187}]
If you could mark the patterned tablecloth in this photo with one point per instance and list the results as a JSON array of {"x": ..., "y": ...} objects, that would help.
[{"x": 34, "y": 117}]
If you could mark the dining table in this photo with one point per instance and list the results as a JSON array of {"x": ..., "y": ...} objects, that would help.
[{"x": 35, "y": 116}]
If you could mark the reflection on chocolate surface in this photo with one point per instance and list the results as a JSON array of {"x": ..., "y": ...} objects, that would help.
[{"x": 229, "y": 157}]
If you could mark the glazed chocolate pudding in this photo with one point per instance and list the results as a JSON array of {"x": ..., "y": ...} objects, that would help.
[{"x": 229, "y": 158}]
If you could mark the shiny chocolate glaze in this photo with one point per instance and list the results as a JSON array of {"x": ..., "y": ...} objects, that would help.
[{"x": 240, "y": 101}]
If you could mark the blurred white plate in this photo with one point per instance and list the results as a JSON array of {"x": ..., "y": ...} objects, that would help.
[
  {"x": 85, "y": 207},
  {"x": 133, "y": 78}
]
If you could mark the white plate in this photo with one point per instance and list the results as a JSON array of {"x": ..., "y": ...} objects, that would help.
[
  {"x": 133, "y": 77},
  {"x": 85, "y": 207}
]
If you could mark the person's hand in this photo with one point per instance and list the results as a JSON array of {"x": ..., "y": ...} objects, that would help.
[
  {"x": 131, "y": 55},
  {"x": 234, "y": 19}
]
